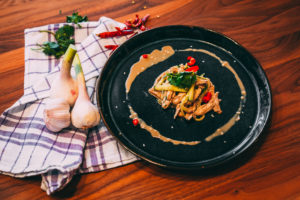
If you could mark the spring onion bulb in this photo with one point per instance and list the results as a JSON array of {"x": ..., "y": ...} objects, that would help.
[
  {"x": 64, "y": 86},
  {"x": 84, "y": 114},
  {"x": 63, "y": 94}
]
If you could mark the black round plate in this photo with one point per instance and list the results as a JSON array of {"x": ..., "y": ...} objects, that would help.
[{"x": 113, "y": 103}]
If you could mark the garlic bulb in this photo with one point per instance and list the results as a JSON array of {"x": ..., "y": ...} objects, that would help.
[
  {"x": 84, "y": 114},
  {"x": 64, "y": 86},
  {"x": 57, "y": 114}
]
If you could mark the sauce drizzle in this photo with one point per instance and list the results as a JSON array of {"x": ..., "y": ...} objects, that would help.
[
  {"x": 155, "y": 133},
  {"x": 153, "y": 58},
  {"x": 157, "y": 56}
]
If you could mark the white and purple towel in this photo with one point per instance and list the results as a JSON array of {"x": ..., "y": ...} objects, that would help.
[{"x": 27, "y": 147}]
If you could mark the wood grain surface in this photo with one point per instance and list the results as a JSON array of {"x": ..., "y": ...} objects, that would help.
[{"x": 270, "y": 30}]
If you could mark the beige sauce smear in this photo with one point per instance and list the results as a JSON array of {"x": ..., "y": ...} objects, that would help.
[
  {"x": 154, "y": 57},
  {"x": 155, "y": 133}
]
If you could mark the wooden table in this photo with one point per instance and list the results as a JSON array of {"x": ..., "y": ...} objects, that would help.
[{"x": 270, "y": 30}]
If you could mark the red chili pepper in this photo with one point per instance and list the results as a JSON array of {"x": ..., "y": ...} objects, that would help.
[
  {"x": 206, "y": 97},
  {"x": 135, "y": 121},
  {"x": 192, "y": 61},
  {"x": 136, "y": 19},
  {"x": 192, "y": 69},
  {"x": 144, "y": 19},
  {"x": 137, "y": 22},
  {"x": 142, "y": 27},
  {"x": 128, "y": 24},
  {"x": 119, "y": 32},
  {"x": 112, "y": 47},
  {"x": 145, "y": 55},
  {"x": 135, "y": 33}
]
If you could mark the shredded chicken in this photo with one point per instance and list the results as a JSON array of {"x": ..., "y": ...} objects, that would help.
[{"x": 186, "y": 106}]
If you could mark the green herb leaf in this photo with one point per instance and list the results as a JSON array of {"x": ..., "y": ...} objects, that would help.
[
  {"x": 182, "y": 79},
  {"x": 75, "y": 18},
  {"x": 52, "y": 49},
  {"x": 63, "y": 37},
  {"x": 63, "y": 40},
  {"x": 64, "y": 33},
  {"x": 64, "y": 44}
]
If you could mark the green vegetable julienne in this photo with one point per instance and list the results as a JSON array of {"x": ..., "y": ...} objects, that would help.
[{"x": 182, "y": 79}]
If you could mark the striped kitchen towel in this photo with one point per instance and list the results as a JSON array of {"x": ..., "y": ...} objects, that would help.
[{"x": 27, "y": 147}]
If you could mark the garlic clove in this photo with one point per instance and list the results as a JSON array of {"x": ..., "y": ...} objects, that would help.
[
  {"x": 84, "y": 114},
  {"x": 57, "y": 114}
]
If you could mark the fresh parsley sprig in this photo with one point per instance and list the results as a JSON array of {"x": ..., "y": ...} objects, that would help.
[
  {"x": 76, "y": 19},
  {"x": 50, "y": 48},
  {"x": 182, "y": 79},
  {"x": 63, "y": 37}
]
